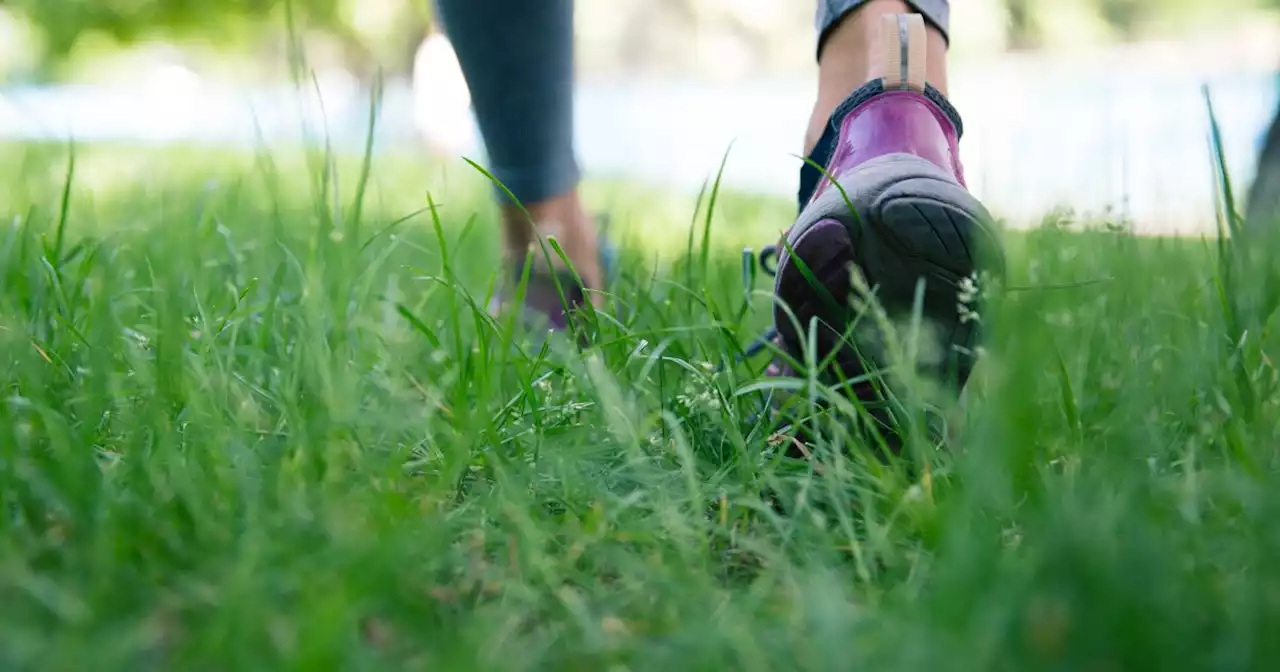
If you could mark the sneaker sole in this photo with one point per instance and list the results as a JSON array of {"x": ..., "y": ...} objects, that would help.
[{"x": 913, "y": 222}]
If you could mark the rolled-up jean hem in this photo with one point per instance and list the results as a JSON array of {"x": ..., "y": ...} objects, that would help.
[
  {"x": 532, "y": 185},
  {"x": 830, "y": 12}
]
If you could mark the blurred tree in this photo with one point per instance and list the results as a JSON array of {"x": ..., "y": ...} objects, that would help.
[
  {"x": 1124, "y": 16},
  {"x": 369, "y": 33},
  {"x": 671, "y": 34},
  {"x": 1128, "y": 19},
  {"x": 1022, "y": 30}
]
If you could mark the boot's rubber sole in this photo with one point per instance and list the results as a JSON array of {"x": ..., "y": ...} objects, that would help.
[{"x": 910, "y": 221}]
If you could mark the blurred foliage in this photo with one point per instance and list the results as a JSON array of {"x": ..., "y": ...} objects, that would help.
[
  {"x": 62, "y": 23},
  {"x": 369, "y": 33},
  {"x": 366, "y": 35},
  {"x": 1126, "y": 19},
  {"x": 1023, "y": 29}
]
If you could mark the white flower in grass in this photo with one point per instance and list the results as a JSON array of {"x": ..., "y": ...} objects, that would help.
[
  {"x": 694, "y": 398},
  {"x": 968, "y": 289},
  {"x": 1011, "y": 536},
  {"x": 972, "y": 289}
]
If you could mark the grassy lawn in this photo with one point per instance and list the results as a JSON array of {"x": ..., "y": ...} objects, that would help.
[{"x": 252, "y": 420}]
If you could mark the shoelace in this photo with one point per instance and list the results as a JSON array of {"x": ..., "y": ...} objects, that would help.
[{"x": 767, "y": 262}]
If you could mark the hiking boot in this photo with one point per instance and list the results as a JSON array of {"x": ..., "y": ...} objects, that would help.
[{"x": 890, "y": 204}]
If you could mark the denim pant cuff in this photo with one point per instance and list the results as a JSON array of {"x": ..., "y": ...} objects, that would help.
[
  {"x": 830, "y": 12},
  {"x": 552, "y": 178}
]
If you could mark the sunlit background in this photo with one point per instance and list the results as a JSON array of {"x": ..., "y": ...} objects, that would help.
[{"x": 1095, "y": 104}]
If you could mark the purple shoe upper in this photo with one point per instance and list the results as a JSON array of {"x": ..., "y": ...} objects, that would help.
[
  {"x": 896, "y": 122},
  {"x": 542, "y": 301},
  {"x": 873, "y": 122}
]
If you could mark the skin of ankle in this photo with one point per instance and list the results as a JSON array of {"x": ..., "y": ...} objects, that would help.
[
  {"x": 849, "y": 59},
  {"x": 564, "y": 218}
]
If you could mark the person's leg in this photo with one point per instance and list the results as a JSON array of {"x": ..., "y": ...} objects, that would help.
[
  {"x": 1262, "y": 209},
  {"x": 518, "y": 61},
  {"x": 847, "y": 57},
  {"x": 883, "y": 129}
]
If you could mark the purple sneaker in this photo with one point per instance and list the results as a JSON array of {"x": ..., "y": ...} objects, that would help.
[
  {"x": 542, "y": 308},
  {"x": 892, "y": 149}
]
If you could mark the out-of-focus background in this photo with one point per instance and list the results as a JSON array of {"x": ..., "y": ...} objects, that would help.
[{"x": 1092, "y": 103}]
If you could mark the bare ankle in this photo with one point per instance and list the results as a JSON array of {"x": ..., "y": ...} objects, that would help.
[
  {"x": 562, "y": 218},
  {"x": 849, "y": 60}
]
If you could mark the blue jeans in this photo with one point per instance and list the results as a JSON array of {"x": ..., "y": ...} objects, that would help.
[{"x": 517, "y": 58}]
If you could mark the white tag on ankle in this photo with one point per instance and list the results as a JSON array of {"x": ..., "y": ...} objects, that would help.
[{"x": 904, "y": 51}]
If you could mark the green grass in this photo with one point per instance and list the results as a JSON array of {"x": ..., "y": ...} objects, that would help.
[{"x": 246, "y": 425}]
